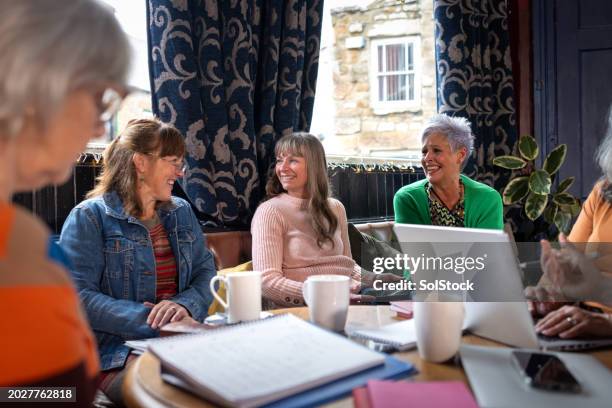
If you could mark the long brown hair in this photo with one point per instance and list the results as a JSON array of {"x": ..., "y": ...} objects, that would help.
[
  {"x": 302, "y": 144},
  {"x": 145, "y": 136}
]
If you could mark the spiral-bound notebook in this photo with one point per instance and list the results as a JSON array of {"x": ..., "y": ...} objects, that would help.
[
  {"x": 263, "y": 361},
  {"x": 400, "y": 335}
]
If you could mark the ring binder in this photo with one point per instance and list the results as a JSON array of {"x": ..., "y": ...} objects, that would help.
[{"x": 259, "y": 362}]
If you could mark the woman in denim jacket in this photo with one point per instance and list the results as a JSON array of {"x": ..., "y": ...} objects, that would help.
[{"x": 138, "y": 254}]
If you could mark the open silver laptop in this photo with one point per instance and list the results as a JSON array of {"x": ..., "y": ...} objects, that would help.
[{"x": 509, "y": 322}]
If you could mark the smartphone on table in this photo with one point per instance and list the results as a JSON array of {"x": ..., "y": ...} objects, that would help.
[{"x": 545, "y": 371}]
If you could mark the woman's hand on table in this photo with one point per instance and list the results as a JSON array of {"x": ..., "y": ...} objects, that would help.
[
  {"x": 388, "y": 278},
  {"x": 357, "y": 298},
  {"x": 164, "y": 312},
  {"x": 370, "y": 277}
]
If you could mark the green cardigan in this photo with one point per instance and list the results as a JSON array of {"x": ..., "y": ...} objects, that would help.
[{"x": 483, "y": 205}]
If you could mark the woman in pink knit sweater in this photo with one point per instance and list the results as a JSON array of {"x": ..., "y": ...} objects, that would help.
[{"x": 300, "y": 230}]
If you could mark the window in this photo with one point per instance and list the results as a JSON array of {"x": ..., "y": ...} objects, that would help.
[
  {"x": 376, "y": 85},
  {"x": 132, "y": 16},
  {"x": 394, "y": 79}
]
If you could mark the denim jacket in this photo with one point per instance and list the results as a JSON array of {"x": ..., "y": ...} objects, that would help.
[{"x": 113, "y": 267}]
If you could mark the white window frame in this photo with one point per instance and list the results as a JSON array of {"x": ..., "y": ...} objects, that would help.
[{"x": 386, "y": 107}]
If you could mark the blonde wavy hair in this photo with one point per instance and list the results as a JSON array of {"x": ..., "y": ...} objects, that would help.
[
  {"x": 146, "y": 136},
  {"x": 302, "y": 144}
]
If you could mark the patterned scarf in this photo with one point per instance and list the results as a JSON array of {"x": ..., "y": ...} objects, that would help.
[{"x": 442, "y": 216}]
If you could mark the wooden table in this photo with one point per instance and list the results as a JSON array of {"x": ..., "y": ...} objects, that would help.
[{"x": 144, "y": 387}]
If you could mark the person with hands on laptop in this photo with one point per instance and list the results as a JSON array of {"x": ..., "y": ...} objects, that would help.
[
  {"x": 446, "y": 197},
  {"x": 582, "y": 269},
  {"x": 570, "y": 275},
  {"x": 300, "y": 230},
  {"x": 139, "y": 256}
]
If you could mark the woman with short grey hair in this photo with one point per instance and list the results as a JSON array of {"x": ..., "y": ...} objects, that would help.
[
  {"x": 64, "y": 68},
  {"x": 446, "y": 197},
  {"x": 604, "y": 159},
  {"x": 457, "y": 131},
  {"x": 594, "y": 223}
]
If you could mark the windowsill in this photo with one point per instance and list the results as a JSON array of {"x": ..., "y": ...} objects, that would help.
[
  {"x": 402, "y": 162},
  {"x": 379, "y": 109},
  {"x": 377, "y": 157},
  {"x": 95, "y": 147}
]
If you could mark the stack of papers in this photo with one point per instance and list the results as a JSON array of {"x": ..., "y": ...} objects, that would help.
[{"x": 260, "y": 362}]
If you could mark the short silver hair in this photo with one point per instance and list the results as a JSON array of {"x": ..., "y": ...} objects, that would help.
[
  {"x": 49, "y": 49},
  {"x": 604, "y": 152},
  {"x": 456, "y": 129}
]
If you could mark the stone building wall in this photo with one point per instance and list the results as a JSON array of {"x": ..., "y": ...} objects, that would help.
[{"x": 359, "y": 129}]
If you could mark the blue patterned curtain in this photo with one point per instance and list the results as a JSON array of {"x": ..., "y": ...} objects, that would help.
[
  {"x": 233, "y": 76},
  {"x": 474, "y": 74}
]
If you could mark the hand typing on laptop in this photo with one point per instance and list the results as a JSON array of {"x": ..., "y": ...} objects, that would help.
[
  {"x": 572, "y": 321},
  {"x": 569, "y": 275}
]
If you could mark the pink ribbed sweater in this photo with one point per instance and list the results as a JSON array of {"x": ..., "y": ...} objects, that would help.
[{"x": 285, "y": 249}]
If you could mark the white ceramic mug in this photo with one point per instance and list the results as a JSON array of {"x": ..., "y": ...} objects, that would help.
[
  {"x": 243, "y": 292},
  {"x": 327, "y": 297},
  {"x": 438, "y": 329}
]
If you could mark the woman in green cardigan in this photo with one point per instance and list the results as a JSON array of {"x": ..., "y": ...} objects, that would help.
[{"x": 446, "y": 197}]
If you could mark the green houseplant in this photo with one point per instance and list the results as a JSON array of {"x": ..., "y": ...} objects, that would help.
[{"x": 531, "y": 187}]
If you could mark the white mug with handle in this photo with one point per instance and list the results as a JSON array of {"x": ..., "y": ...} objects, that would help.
[
  {"x": 243, "y": 292},
  {"x": 327, "y": 297}
]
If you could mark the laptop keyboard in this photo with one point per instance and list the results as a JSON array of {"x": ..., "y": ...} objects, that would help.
[
  {"x": 573, "y": 344},
  {"x": 550, "y": 338}
]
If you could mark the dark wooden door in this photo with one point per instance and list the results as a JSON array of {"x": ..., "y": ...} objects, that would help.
[{"x": 575, "y": 38}]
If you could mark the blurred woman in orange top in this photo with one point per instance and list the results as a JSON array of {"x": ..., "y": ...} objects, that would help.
[{"x": 63, "y": 71}]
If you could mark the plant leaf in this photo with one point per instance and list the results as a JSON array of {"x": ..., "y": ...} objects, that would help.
[
  {"x": 509, "y": 162},
  {"x": 550, "y": 212},
  {"x": 555, "y": 159},
  {"x": 564, "y": 199},
  {"x": 516, "y": 190},
  {"x": 565, "y": 184},
  {"x": 575, "y": 208},
  {"x": 528, "y": 147},
  {"x": 535, "y": 204},
  {"x": 539, "y": 182},
  {"x": 562, "y": 221}
]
